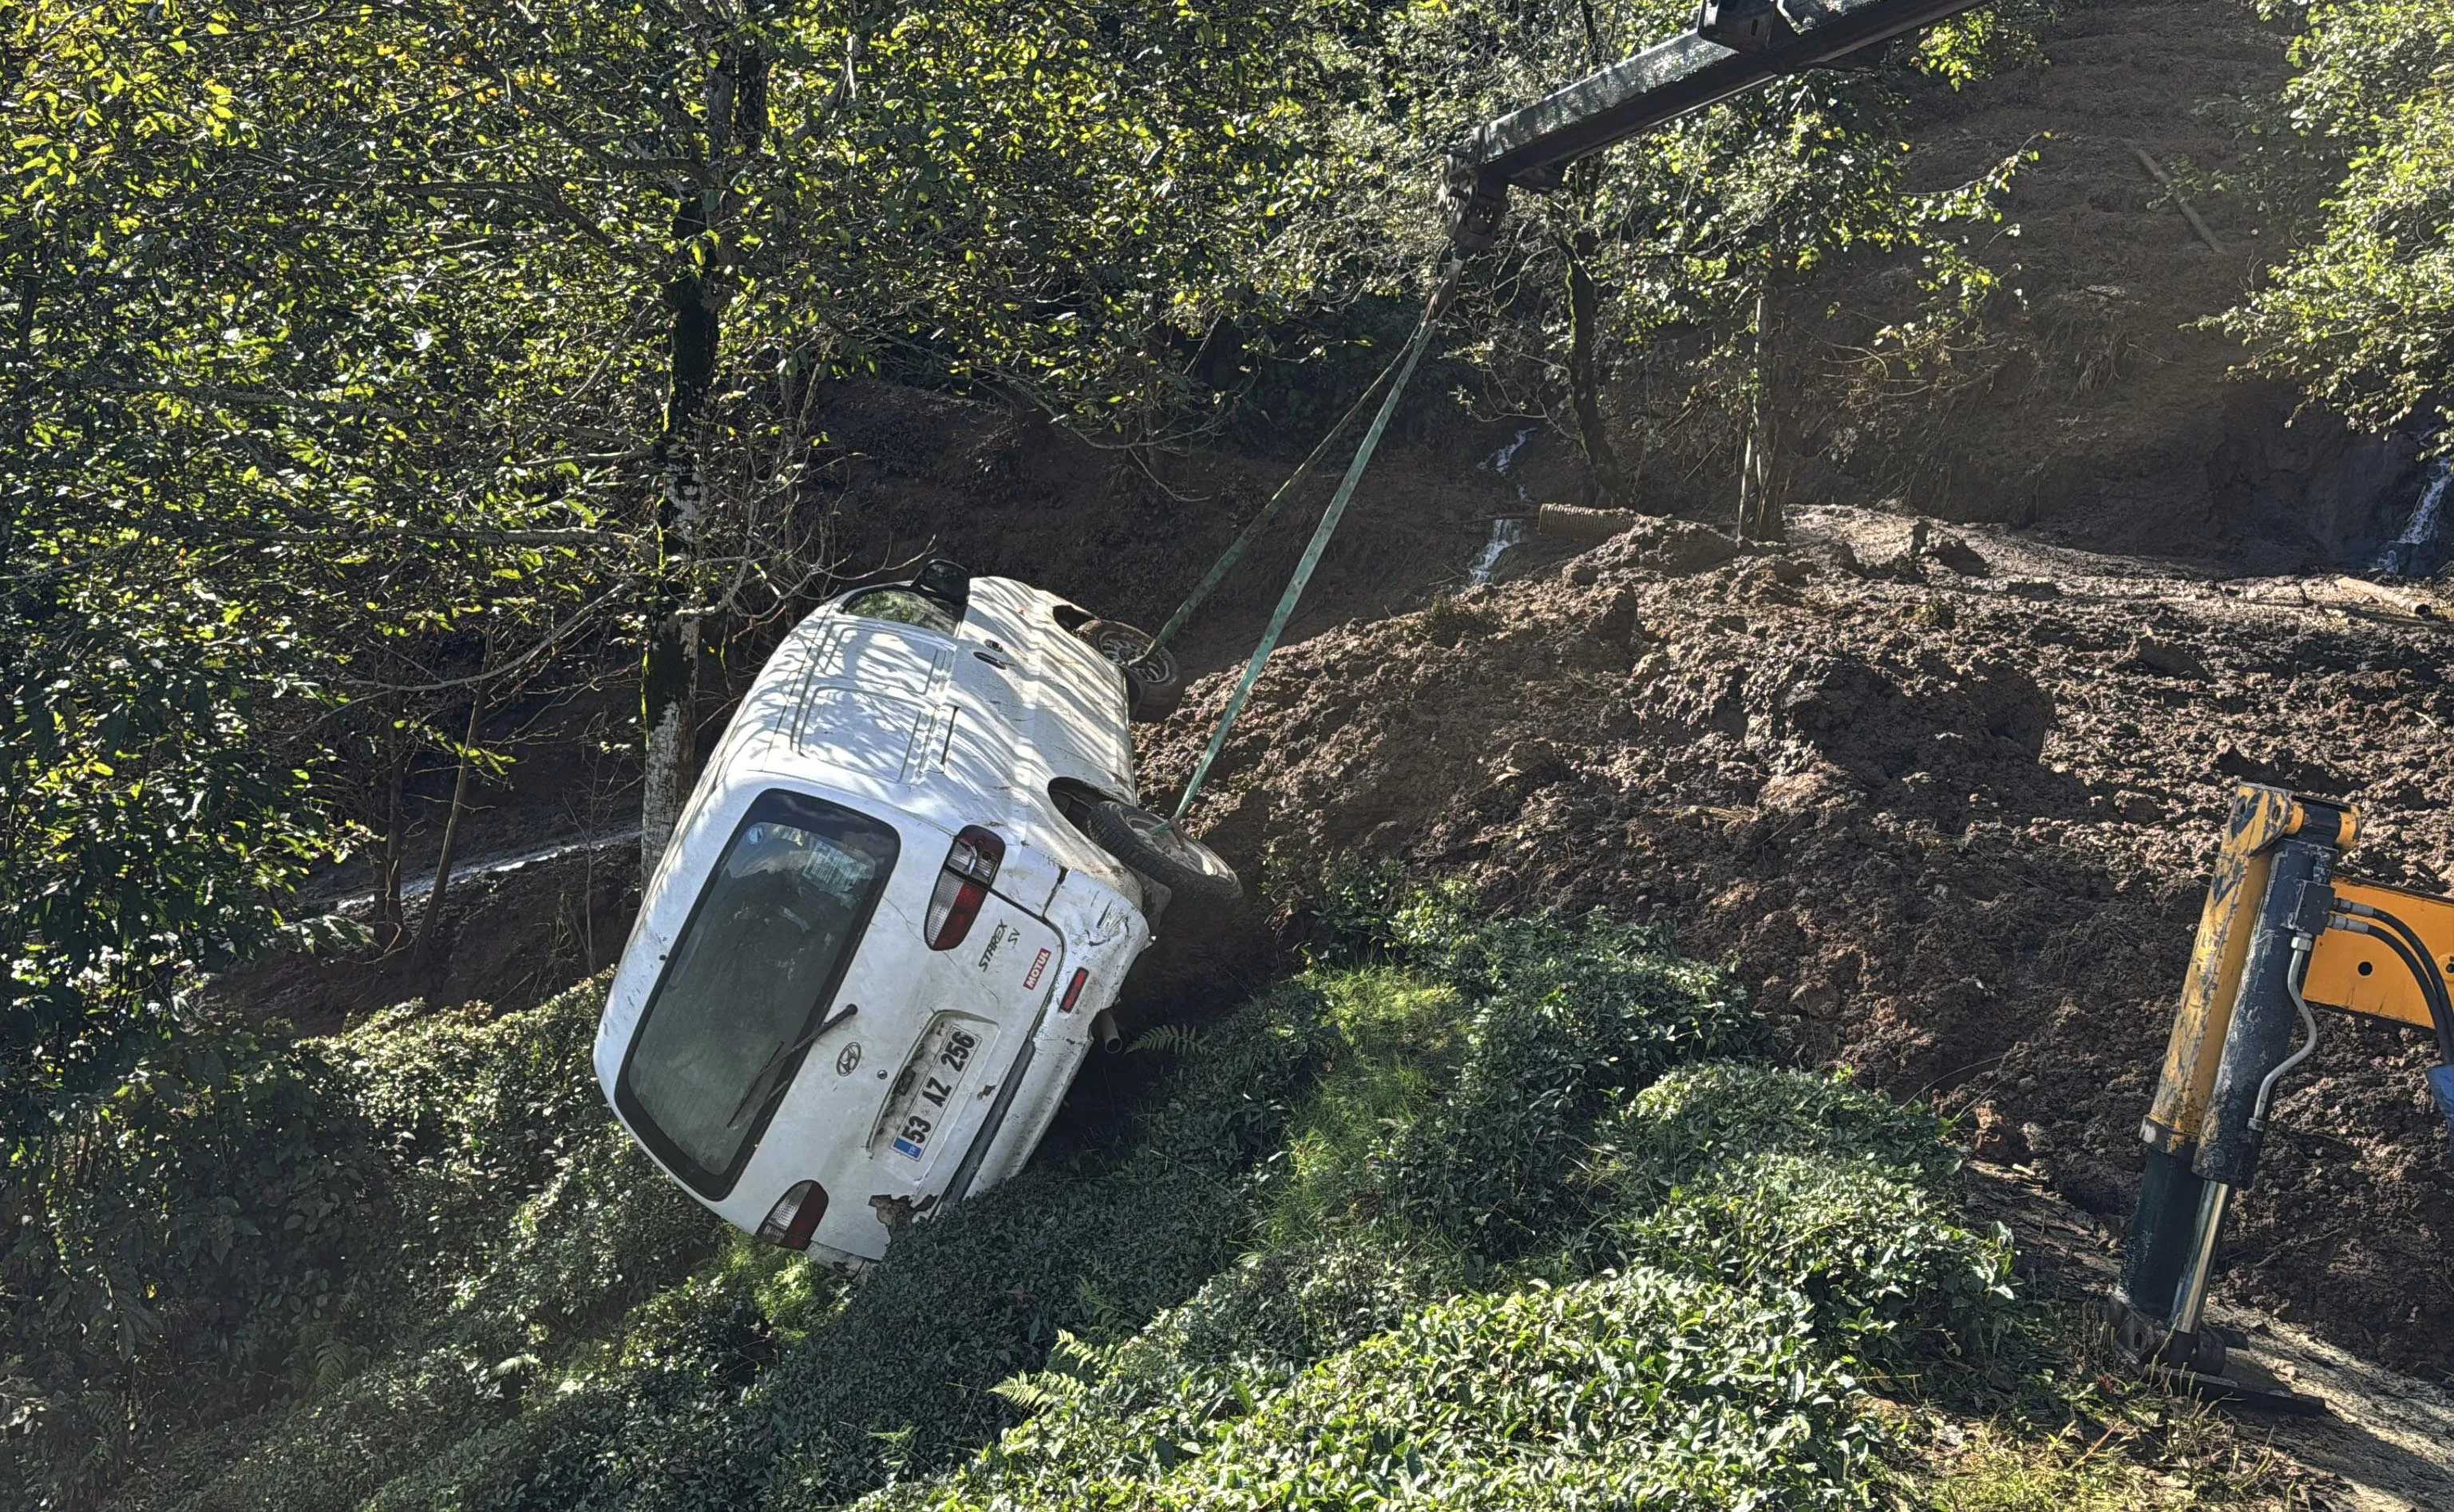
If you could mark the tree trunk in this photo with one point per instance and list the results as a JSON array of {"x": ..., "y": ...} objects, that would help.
[
  {"x": 1605, "y": 485},
  {"x": 736, "y": 113},
  {"x": 669, "y": 672},
  {"x": 425, "y": 942},
  {"x": 1759, "y": 502},
  {"x": 387, "y": 862},
  {"x": 668, "y": 696}
]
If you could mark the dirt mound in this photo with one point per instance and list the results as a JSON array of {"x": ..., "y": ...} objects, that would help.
[{"x": 1953, "y": 827}]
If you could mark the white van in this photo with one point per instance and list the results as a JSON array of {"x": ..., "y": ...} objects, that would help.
[{"x": 913, "y": 871}]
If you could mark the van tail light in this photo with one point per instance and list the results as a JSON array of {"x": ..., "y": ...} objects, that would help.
[
  {"x": 963, "y": 887},
  {"x": 795, "y": 1216},
  {"x": 1074, "y": 990}
]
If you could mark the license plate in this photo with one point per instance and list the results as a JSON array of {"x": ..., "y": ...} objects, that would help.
[{"x": 930, "y": 1091}]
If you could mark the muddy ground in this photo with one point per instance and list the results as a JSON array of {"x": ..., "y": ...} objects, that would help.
[{"x": 1951, "y": 821}]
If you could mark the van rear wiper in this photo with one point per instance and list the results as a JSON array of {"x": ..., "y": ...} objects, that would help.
[{"x": 759, "y": 1082}]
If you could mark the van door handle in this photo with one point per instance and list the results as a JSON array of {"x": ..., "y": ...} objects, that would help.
[{"x": 999, "y": 662}]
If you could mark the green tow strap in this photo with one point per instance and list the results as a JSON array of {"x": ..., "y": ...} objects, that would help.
[
  {"x": 1243, "y": 542},
  {"x": 1412, "y": 354}
]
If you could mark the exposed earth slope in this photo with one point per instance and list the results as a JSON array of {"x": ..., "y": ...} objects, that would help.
[{"x": 1956, "y": 828}]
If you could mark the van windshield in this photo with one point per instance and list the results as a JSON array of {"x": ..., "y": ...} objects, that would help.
[{"x": 757, "y": 964}]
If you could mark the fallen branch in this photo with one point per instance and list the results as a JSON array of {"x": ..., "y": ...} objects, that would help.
[
  {"x": 1589, "y": 527},
  {"x": 2412, "y": 604},
  {"x": 2156, "y": 172}
]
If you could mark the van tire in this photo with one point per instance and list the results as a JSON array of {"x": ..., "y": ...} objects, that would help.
[
  {"x": 1192, "y": 871},
  {"x": 1153, "y": 688}
]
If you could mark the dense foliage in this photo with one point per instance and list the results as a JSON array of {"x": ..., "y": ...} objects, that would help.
[
  {"x": 258, "y": 1220},
  {"x": 2360, "y": 312},
  {"x": 1482, "y": 1216},
  {"x": 396, "y": 356},
  {"x": 362, "y": 369}
]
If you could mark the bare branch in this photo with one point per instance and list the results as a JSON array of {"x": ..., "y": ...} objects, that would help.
[{"x": 572, "y": 537}]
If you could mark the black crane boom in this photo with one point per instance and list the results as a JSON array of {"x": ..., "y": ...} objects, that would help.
[{"x": 1736, "y": 45}]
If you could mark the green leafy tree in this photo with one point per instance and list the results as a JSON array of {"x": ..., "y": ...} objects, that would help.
[
  {"x": 2360, "y": 312},
  {"x": 1699, "y": 228},
  {"x": 365, "y": 364}
]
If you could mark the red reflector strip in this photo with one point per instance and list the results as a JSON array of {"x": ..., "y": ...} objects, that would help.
[
  {"x": 1073, "y": 991},
  {"x": 806, "y": 1203},
  {"x": 805, "y": 1217}
]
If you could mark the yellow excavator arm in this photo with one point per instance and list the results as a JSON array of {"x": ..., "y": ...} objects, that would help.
[
  {"x": 2358, "y": 974},
  {"x": 2280, "y": 936}
]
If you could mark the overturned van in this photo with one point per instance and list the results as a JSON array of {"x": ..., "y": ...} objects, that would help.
[{"x": 913, "y": 873}]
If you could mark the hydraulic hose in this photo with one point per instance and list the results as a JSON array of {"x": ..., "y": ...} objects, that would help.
[
  {"x": 2397, "y": 936},
  {"x": 2292, "y": 978},
  {"x": 2431, "y": 973}
]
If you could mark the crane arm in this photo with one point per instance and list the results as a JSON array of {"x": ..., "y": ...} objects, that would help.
[
  {"x": 1736, "y": 45},
  {"x": 2360, "y": 973}
]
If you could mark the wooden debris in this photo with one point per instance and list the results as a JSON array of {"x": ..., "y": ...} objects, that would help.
[
  {"x": 1570, "y": 522},
  {"x": 2156, "y": 171},
  {"x": 2417, "y": 605}
]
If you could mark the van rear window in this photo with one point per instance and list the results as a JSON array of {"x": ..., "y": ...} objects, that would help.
[{"x": 757, "y": 964}]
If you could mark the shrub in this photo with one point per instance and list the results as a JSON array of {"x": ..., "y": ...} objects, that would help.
[
  {"x": 1475, "y": 1223},
  {"x": 1631, "y": 1389},
  {"x": 1572, "y": 1018},
  {"x": 171, "y": 1245},
  {"x": 1785, "y": 1180},
  {"x": 720, "y": 1385},
  {"x": 378, "y": 1227},
  {"x": 1667, "y": 1309}
]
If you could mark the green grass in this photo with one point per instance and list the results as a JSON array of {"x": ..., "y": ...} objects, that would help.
[
  {"x": 1472, "y": 1213},
  {"x": 1394, "y": 1040}
]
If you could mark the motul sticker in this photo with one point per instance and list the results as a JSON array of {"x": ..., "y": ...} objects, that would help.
[{"x": 1031, "y": 978}]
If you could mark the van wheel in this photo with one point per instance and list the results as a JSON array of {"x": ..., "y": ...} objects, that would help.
[
  {"x": 1153, "y": 687},
  {"x": 1192, "y": 871}
]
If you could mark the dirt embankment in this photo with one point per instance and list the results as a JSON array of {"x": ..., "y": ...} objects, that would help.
[{"x": 1956, "y": 828}]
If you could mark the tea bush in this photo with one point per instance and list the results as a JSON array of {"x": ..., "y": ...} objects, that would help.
[
  {"x": 1678, "y": 1316},
  {"x": 246, "y": 1221},
  {"x": 1775, "y": 1179},
  {"x": 1567, "y": 1018},
  {"x": 1479, "y": 1213},
  {"x": 1635, "y": 1388}
]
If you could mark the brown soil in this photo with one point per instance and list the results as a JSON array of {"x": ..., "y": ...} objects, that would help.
[
  {"x": 1953, "y": 831},
  {"x": 912, "y": 475},
  {"x": 512, "y": 934}
]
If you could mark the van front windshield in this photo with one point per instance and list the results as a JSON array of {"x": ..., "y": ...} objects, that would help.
[{"x": 754, "y": 968}]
